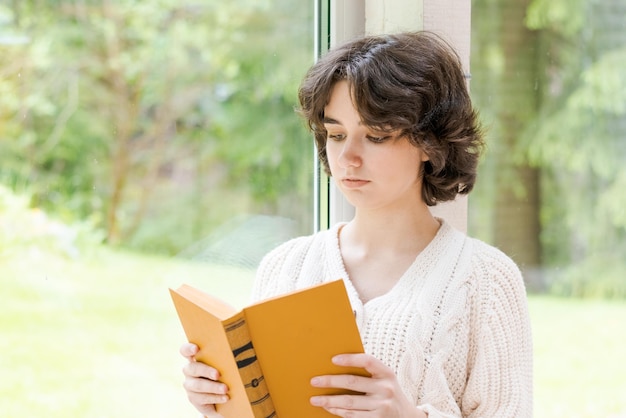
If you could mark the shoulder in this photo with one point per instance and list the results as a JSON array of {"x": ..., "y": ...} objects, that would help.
[
  {"x": 490, "y": 262},
  {"x": 499, "y": 285},
  {"x": 295, "y": 249},
  {"x": 280, "y": 270},
  {"x": 479, "y": 260}
]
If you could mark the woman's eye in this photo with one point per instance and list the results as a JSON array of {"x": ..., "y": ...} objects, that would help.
[
  {"x": 336, "y": 137},
  {"x": 378, "y": 139}
]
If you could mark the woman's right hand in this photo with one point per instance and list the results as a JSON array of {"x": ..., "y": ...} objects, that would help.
[{"x": 201, "y": 383}]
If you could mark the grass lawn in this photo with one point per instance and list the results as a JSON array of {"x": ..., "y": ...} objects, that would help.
[
  {"x": 579, "y": 347},
  {"x": 99, "y": 338}
]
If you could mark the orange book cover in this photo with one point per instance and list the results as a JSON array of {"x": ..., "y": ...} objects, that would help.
[{"x": 272, "y": 347}]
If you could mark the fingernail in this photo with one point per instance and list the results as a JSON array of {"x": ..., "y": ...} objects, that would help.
[
  {"x": 315, "y": 381},
  {"x": 338, "y": 359},
  {"x": 316, "y": 401}
]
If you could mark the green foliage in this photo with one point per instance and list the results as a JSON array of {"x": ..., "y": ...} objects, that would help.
[
  {"x": 578, "y": 141},
  {"x": 603, "y": 86},
  {"x": 32, "y": 231},
  {"x": 594, "y": 277},
  {"x": 117, "y": 109},
  {"x": 575, "y": 139},
  {"x": 575, "y": 131},
  {"x": 578, "y": 138},
  {"x": 566, "y": 17}
]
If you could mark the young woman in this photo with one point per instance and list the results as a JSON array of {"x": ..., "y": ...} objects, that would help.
[{"x": 443, "y": 317}]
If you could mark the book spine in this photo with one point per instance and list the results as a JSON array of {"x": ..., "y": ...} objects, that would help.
[{"x": 249, "y": 367}]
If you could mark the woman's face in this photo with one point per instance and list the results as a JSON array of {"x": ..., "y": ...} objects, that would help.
[{"x": 374, "y": 170}]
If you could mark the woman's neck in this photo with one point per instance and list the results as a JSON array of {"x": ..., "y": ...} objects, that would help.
[
  {"x": 377, "y": 250},
  {"x": 402, "y": 231}
]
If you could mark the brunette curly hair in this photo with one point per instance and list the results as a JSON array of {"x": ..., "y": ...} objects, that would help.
[{"x": 410, "y": 83}]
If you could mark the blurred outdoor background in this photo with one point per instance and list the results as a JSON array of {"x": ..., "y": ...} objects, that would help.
[{"x": 146, "y": 144}]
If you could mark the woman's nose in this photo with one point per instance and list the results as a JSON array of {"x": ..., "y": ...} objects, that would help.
[{"x": 350, "y": 155}]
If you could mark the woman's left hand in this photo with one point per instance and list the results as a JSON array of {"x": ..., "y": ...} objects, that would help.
[{"x": 380, "y": 395}]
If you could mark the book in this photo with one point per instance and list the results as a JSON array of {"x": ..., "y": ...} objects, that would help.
[{"x": 268, "y": 352}]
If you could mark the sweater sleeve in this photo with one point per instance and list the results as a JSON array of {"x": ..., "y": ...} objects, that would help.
[
  {"x": 500, "y": 359},
  {"x": 499, "y": 374}
]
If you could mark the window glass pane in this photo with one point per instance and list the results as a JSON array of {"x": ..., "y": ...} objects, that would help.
[
  {"x": 549, "y": 80},
  {"x": 143, "y": 144}
]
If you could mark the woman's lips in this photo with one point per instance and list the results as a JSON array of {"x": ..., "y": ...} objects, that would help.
[{"x": 352, "y": 183}]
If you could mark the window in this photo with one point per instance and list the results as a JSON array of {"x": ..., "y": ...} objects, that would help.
[
  {"x": 548, "y": 78},
  {"x": 166, "y": 130},
  {"x": 145, "y": 144}
]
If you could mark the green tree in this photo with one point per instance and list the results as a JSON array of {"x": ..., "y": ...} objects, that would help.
[
  {"x": 504, "y": 80},
  {"x": 580, "y": 138},
  {"x": 569, "y": 136},
  {"x": 136, "y": 112}
]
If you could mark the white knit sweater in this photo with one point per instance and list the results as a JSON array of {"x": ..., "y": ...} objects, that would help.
[{"x": 455, "y": 328}]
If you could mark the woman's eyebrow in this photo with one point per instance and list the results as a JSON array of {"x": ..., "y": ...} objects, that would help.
[{"x": 330, "y": 121}]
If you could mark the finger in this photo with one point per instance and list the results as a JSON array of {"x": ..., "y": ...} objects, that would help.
[
  {"x": 348, "y": 413},
  {"x": 203, "y": 394},
  {"x": 376, "y": 368},
  {"x": 199, "y": 369},
  {"x": 204, "y": 404},
  {"x": 210, "y": 413},
  {"x": 344, "y": 402},
  {"x": 204, "y": 399},
  {"x": 345, "y": 381},
  {"x": 188, "y": 350},
  {"x": 202, "y": 385}
]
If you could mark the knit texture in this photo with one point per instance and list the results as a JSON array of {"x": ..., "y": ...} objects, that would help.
[{"x": 455, "y": 328}]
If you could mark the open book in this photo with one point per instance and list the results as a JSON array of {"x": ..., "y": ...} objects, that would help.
[{"x": 268, "y": 352}]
